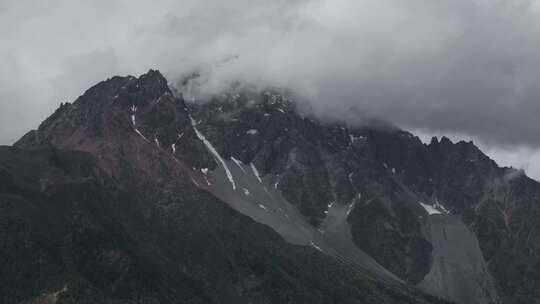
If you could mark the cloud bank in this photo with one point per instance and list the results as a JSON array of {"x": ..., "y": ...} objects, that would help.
[{"x": 451, "y": 66}]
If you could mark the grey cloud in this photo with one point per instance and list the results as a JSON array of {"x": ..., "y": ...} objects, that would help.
[{"x": 452, "y": 66}]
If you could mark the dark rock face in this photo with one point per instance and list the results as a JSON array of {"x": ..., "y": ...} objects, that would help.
[
  {"x": 315, "y": 165},
  {"x": 407, "y": 255}
]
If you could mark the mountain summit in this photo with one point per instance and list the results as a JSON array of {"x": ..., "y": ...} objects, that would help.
[{"x": 131, "y": 194}]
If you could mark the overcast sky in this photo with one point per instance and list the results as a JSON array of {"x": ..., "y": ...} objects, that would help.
[{"x": 468, "y": 68}]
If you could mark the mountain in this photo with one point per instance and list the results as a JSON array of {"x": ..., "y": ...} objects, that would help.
[
  {"x": 96, "y": 208},
  {"x": 132, "y": 194}
]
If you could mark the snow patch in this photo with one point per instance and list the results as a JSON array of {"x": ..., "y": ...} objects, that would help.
[
  {"x": 53, "y": 296},
  {"x": 139, "y": 132},
  {"x": 214, "y": 152},
  {"x": 238, "y": 163},
  {"x": 173, "y": 147},
  {"x": 256, "y": 172},
  {"x": 252, "y": 132},
  {"x": 430, "y": 209},
  {"x": 246, "y": 191},
  {"x": 263, "y": 207},
  {"x": 315, "y": 245},
  {"x": 207, "y": 181},
  {"x": 351, "y": 206},
  {"x": 329, "y": 207},
  {"x": 353, "y": 138},
  {"x": 440, "y": 207},
  {"x": 133, "y": 110}
]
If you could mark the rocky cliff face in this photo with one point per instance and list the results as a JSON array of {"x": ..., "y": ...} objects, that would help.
[
  {"x": 499, "y": 205},
  {"x": 441, "y": 217},
  {"x": 349, "y": 183}
]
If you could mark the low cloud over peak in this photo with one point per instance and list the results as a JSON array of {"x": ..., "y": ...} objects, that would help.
[{"x": 449, "y": 66}]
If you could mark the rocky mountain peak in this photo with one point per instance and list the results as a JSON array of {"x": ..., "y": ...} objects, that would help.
[
  {"x": 122, "y": 114},
  {"x": 112, "y": 104}
]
